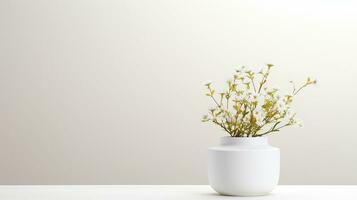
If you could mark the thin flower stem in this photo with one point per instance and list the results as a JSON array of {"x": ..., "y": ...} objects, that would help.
[
  {"x": 255, "y": 90},
  {"x": 219, "y": 124},
  {"x": 294, "y": 87},
  {"x": 300, "y": 89},
  {"x": 214, "y": 99},
  {"x": 288, "y": 124}
]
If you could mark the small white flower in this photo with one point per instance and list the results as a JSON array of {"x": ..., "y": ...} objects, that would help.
[
  {"x": 280, "y": 103},
  {"x": 260, "y": 122},
  {"x": 242, "y": 69},
  {"x": 246, "y": 80},
  {"x": 277, "y": 94},
  {"x": 281, "y": 107},
  {"x": 245, "y": 69},
  {"x": 299, "y": 122},
  {"x": 240, "y": 116},
  {"x": 254, "y": 70},
  {"x": 246, "y": 119},
  {"x": 246, "y": 94},
  {"x": 259, "y": 115},
  {"x": 259, "y": 111},
  {"x": 230, "y": 119},
  {"x": 252, "y": 98},
  {"x": 257, "y": 69},
  {"x": 241, "y": 87},
  {"x": 290, "y": 113},
  {"x": 248, "y": 69},
  {"x": 240, "y": 97},
  {"x": 261, "y": 99}
]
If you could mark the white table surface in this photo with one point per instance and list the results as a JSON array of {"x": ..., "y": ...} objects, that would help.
[{"x": 168, "y": 192}]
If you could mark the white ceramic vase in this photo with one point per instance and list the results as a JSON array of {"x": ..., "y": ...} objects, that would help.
[{"x": 243, "y": 166}]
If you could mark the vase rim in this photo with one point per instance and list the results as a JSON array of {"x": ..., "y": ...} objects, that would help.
[{"x": 228, "y": 140}]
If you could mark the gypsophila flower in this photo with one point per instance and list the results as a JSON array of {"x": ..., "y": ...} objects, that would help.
[{"x": 248, "y": 108}]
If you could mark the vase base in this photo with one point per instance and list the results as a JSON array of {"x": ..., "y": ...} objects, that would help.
[{"x": 245, "y": 194}]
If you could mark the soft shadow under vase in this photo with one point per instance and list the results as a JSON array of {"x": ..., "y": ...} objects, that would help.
[{"x": 244, "y": 166}]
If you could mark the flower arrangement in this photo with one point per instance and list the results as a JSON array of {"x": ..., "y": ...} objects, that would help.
[{"x": 250, "y": 109}]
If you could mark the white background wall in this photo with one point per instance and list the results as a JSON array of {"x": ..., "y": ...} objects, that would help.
[{"x": 111, "y": 92}]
